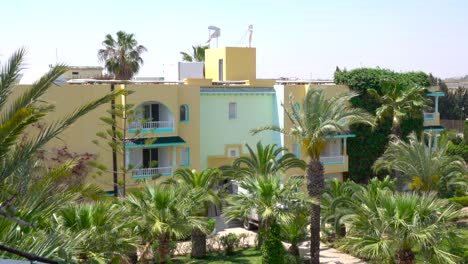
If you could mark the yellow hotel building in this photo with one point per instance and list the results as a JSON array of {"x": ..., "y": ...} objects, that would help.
[{"x": 197, "y": 123}]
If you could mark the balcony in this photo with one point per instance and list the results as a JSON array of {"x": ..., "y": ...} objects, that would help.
[
  {"x": 151, "y": 172},
  {"x": 332, "y": 160},
  {"x": 152, "y": 126}
]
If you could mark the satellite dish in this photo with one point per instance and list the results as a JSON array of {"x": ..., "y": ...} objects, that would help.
[{"x": 215, "y": 34}]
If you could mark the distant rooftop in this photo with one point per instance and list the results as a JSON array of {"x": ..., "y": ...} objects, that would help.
[{"x": 85, "y": 68}]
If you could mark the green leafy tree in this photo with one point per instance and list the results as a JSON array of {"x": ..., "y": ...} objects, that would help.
[
  {"x": 425, "y": 167},
  {"x": 18, "y": 158},
  {"x": 370, "y": 143},
  {"x": 197, "y": 54},
  {"x": 265, "y": 195},
  {"x": 121, "y": 56},
  {"x": 162, "y": 212},
  {"x": 204, "y": 182},
  {"x": 317, "y": 119}
]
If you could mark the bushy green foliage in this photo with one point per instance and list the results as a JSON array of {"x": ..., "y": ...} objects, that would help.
[
  {"x": 465, "y": 132},
  {"x": 463, "y": 201},
  {"x": 229, "y": 242},
  {"x": 272, "y": 249},
  {"x": 460, "y": 150},
  {"x": 369, "y": 144}
]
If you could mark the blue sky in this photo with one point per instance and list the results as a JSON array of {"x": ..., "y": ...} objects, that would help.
[{"x": 305, "y": 39}]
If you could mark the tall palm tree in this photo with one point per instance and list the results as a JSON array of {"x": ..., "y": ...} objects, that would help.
[
  {"x": 388, "y": 226},
  {"x": 427, "y": 168},
  {"x": 266, "y": 197},
  {"x": 122, "y": 56},
  {"x": 399, "y": 101},
  {"x": 162, "y": 213},
  {"x": 205, "y": 182},
  {"x": 267, "y": 160},
  {"x": 318, "y": 118},
  {"x": 197, "y": 55}
]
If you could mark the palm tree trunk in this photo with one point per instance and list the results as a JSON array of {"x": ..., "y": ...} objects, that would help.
[
  {"x": 405, "y": 256},
  {"x": 163, "y": 247},
  {"x": 315, "y": 186},
  {"x": 396, "y": 131},
  {"x": 260, "y": 233},
  {"x": 294, "y": 249},
  {"x": 198, "y": 243}
]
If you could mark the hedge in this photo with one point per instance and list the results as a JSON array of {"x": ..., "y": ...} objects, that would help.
[{"x": 368, "y": 145}]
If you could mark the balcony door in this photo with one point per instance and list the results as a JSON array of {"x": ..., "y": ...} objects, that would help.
[
  {"x": 151, "y": 112},
  {"x": 150, "y": 156}
]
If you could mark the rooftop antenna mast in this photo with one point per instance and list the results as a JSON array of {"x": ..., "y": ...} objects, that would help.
[
  {"x": 215, "y": 34},
  {"x": 250, "y": 30}
]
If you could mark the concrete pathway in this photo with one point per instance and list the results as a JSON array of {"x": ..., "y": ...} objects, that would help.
[{"x": 327, "y": 254}]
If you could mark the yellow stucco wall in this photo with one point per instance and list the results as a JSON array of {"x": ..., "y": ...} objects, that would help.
[{"x": 238, "y": 63}]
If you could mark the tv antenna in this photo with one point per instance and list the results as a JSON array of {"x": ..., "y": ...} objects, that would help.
[{"x": 215, "y": 34}]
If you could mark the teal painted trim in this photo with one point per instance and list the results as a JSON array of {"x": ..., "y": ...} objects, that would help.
[
  {"x": 429, "y": 119},
  {"x": 109, "y": 194},
  {"x": 434, "y": 129},
  {"x": 153, "y": 145},
  {"x": 333, "y": 163},
  {"x": 188, "y": 159},
  {"x": 236, "y": 93},
  {"x": 342, "y": 136},
  {"x": 436, "y": 94},
  {"x": 148, "y": 130},
  {"x": 184, "y": 121},
  {"x": 149, "y": 176}
]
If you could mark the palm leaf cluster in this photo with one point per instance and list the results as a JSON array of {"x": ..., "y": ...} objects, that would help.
[
  {"x": 197, "y": 54},
  {"x": 122, "y": 56},
  {"x": 29, "y": 194},
  {"x": 394, "y": 225},
  {"x": 425, "y": 166}
]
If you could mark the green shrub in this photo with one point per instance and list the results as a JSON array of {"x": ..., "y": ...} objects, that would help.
[
  {"x": 272, "y": 248},
  {"x": 460, "y": 150},
  {"x": 229, "y": 243},
  {"x": 211, "y": 225},
  {"x": 465, "y": 132},
  {"x": 463, "y": 201}
]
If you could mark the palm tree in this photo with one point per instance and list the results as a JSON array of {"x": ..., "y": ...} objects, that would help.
[
  {"x": 295, "y": 231},
  {"x": 18, "y": 115},
  {"x": 399, "y": 101},
  {"x": 162, "y": 213},
  {"x": 427, "y": 168},
  {"x": 268, "y": 160},
  {"x": 106, "y": 234},
  {"x": 388, "y": 226},
  {"x": 122, "y": 57},
  {"x": 198, "y": 54},
  {"x": 317, "y": 119},
  {"x": 266, "y": 197},
  {"x": 205, "y": 182}
]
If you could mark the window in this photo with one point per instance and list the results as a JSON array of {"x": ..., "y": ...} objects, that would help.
[
  {"x": 184, "y": 113},
  {"x": 185, "y": 157},
  {"x": 298, "y": 107},
  {"x": 233, "y": 152},
  {"x": 232, "y": 110},
  {"x": 296, "y": 150}
]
